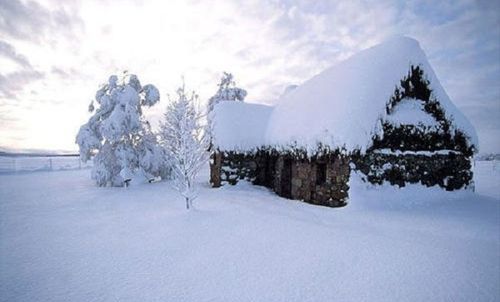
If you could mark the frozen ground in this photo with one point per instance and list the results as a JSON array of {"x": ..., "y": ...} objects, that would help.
[{"x": 62, "y": 239}]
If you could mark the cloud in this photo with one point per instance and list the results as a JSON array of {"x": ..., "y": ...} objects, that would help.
[
  {"x": 29, "y": 20},
  {"x": 68, "y": 73},
  {"x": 62, "y": 50},
  {"x": 15, "y": 82},
  {"x": 60, "y": 72},
  {"x": 30, "y": 25},
  {"x": 11, "y": 83},
  {"x": 8, "y": 51}
]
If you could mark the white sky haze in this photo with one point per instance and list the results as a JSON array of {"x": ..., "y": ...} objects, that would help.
[{"x": 54, "y": 54}]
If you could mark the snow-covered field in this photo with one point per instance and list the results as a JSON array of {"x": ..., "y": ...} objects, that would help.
[{"x": 63, "y": 239}]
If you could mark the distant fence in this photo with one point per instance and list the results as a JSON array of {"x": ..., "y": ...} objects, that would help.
[{"x": 13, "y": 164}]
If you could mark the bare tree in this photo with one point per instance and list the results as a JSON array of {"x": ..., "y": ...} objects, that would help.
[{"x": 186, "y": 142}]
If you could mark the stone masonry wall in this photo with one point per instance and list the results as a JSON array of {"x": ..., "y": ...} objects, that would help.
[
  {"x": 230, "y": 167},
  {"x": 451, "y": 171},
  {"x": 266, "y": 169},
  {"x": 332, "y": 192}
]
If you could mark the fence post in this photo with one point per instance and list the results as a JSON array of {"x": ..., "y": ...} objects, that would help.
[
  {"x": 50, "y": 164},
  {"x": 14, "y": 164}
]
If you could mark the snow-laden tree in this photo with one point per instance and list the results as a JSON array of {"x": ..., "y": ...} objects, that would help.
[
  {"x": 117, "y": 134},
  {"x": 185, "y": 141},
  {"x": 227, "y": 91},
  {"x": 153, "y": 158}
]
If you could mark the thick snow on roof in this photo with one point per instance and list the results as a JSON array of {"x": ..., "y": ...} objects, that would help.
[
  {"x": 240, "y": 126},
  {"x": 341, "y": 106}
]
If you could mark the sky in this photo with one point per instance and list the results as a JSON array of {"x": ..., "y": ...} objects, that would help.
[{"x": 55, "y": 54}]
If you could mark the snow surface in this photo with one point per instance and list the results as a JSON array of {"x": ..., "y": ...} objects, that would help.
[
  {"x": 487, "y": 183},
  {"x": 240, "y": 126},
  {"x": 411, "y": 112},
  {"x": 388, "y": 151},
  {"x": 64, "y": 239},
  {"x": 340, "y": 106}
]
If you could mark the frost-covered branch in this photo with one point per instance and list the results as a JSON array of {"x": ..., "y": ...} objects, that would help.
[{"x": 186, "y": 142}]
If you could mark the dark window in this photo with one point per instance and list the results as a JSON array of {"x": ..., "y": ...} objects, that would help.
[{"x": 320, "y": 174}]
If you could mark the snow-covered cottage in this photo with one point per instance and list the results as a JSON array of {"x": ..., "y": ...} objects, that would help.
[{"x": 382, "y": 112}]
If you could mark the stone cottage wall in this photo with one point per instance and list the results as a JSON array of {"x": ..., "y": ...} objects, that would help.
[
  {"x": 333, "y": 192},
  {"x": 451, "y": 171},
  {"x": 230, "y": 167},
  {"x": 266, "y": 169}
]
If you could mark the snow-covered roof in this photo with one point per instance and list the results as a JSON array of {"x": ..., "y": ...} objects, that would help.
[
  {"x": 411, "y": 112},
  {"x": 240, "y": 126},
  {"x": 340, "y": 107}
]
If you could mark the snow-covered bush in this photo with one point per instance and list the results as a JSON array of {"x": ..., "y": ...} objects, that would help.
[
  {"x": 185, "y": 141},
  {"x": 117, "y": 134}
]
